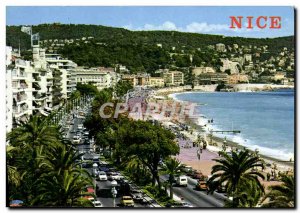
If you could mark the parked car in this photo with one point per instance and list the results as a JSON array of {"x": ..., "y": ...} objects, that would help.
[
  {"x": 102, "y": 175},
  {"x": 201, "y": 185},
  {"x": 187, "y": 169},
  {"x": 197, "y": 175},
  {"x": 127, "y": 201},
  {"x": 97, "y": 204},
  {"x": 188, "y": 205},
  {"x": 137, "y": 195}
]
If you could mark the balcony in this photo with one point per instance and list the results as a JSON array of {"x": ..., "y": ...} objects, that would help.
[
  {"x": 24, "y": 107},
  {"x": 20, "y": 97},
  {"x": 40, "y": 97},
  {"x": 15, "y": 110},
  {"x": 23, "y": 86},
  {"x": 37, "y": 78},
  {"x": 58, "y": 78},
  {"x": 16, "y": 75},
  {"x": 36, "y": 86}
]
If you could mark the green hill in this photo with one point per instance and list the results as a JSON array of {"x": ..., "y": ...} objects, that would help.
[{"x": 137, "y": 49}]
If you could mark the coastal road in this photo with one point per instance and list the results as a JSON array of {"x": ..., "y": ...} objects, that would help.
[{"x": 196, "y": 198}]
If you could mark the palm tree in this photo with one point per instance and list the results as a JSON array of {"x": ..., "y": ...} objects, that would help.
[
  {"x": 171, "y": 167},
  {"x": 282, "y": 196},
  {"x": 32, "y": 138},
  {"x": 13, "y": 175},
  {"x": 235, "y": 171},
  {"x": 136, "y": 169},
  {"x": 65, "y": 189},
  {"x": 249, "y": 195},
  {"x": 60, "y": 158}
]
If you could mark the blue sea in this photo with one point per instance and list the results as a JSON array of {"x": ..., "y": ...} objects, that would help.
[{"x": 265, "y": 119}]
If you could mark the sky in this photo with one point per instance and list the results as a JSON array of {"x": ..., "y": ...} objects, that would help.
[{"x": 196, "y": 19}]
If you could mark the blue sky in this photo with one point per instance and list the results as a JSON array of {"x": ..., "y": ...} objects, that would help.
[{"x": 198, "y": 19}]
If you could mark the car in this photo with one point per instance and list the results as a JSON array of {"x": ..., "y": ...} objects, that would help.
[
  {"x": 197, "y": 175},
  {"x": 187, "y": 169},
  {"x": 186, "y": 205},
  {"x": 201, "y": 185},
  {"x": 97, "y": 204},
  {"x": 104, "y": 169},
  {"x": 102, "y": 175},
  {"x": 182, "y": 181},
  {"x": 76, "y": 141},
  {"x": 117, "y": 176},
  {"x": 75, "y": 137},
  {"x": 137, "y": 195},
  {"x": 127, "y": 201}
]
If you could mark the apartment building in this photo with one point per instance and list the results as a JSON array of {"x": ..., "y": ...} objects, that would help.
[
  {"x": 64, "y": 81},
  {"x": 33, "y": 86},
  {"x": 156, "y": 82},
  {"x": 238, "y": 78},
  {"x": 173, "y": 78},
  {"x": 130, "y": 78},
  {"x": 211, "y": 78},
  {"x": 100, "y": 77}
]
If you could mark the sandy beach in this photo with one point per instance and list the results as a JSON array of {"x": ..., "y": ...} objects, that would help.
[{"x": 188, "y": 153}]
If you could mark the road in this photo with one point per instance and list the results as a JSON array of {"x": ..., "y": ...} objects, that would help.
[
  {"x": 194, "y": 197},
  {"x": 104, "y": 193}
]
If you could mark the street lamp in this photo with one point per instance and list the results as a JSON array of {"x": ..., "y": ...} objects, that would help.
[
  {"x": 95, "y": 166},
  {"x": 114, "y": 191}
]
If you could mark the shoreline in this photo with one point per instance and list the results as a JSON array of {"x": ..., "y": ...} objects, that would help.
[{"x": 281, "y": 164}]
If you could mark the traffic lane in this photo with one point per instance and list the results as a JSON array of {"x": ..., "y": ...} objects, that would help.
[
  {"x": 105, "y": 196},
  {"x": 219, "y": 196},
  {"x": 196, "y": 198}
]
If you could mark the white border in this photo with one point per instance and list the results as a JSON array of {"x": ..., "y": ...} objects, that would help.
[{"x": 5, "y": 3}]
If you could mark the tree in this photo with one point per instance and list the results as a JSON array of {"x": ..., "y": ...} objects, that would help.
[
  {"x": 42, "y": 166},
  {"x": 63, "y": 189},
  {"x": 249, "y": 195},
  {"x": 86, "y": 89},
  {"x": 138, "y": 172},
  {"x": 282, "y": 196},
  {"x": 171, "y": 167},
  {"x": 150, "y": 143},
  {"x": 235, "y": 170},
  {"x": 13, "y": 176},
  {"x": 31, "y": 138},
  {"x": 122, "y": 88}
]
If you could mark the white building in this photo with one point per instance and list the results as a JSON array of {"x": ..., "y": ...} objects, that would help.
[
  {"x": 173, "y": 78},
  {"x": 31, "y": 87},
  {"x": 64, "y": 80},
  {"x": 220, "y": 47},
  {"x": 100, "y": 77}
]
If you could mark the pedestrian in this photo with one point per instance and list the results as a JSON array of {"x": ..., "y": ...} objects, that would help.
[
  {"x": 201, "y": 147},
  {"x": 268, "y": 176},
  {"x": 198, "y": 154}
]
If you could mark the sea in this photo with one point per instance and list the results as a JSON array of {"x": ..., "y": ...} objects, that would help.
[{"x": 265, "y": 119}]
